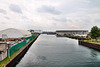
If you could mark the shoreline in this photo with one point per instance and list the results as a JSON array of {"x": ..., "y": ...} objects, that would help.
[
  {"x": 18, "y": 54},
  {"x": 90, "y": 45}
]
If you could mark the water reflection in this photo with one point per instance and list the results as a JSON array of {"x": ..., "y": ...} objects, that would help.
[
  {"x": 52, "y": 51},
  {"x": 94, "y": 53},
  {"x": 41, "y": 58}
]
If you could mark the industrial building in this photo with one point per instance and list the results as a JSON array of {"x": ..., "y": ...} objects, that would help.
[
  {"x": 12, "y": 37},
  {"x": 72, "y": 32}
]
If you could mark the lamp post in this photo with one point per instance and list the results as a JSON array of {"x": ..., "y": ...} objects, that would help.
[{"x": 8, "y": 47}]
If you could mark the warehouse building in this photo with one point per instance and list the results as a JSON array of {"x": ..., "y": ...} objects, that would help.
[
  {"x": 72, "y": 32},
  {"x": 11, "y": 36}
]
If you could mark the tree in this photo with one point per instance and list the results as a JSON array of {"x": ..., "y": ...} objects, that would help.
[{"x": 95, "y": 32}]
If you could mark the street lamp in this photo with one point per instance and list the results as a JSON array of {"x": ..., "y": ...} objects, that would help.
[{"x": 8, "y": 47}]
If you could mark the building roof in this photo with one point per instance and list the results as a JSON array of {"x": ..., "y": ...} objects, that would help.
[
  {"x": 14, "y": 33},
  {"x": 72, "y": 31}
]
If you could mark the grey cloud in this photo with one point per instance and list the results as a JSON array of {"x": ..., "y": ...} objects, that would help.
[
  {"x": 3, "y": 11},
  {"x": 95, "y": 3},
  {"x": 15, "y": 8},
  {"x": 87, "y": 20},
  {"x": 97, "y": 20},
  {"x": 3, "y": 23},
  {"x": 49, "y": 9},
  {"x": 24, "y": 17},
  {"x": 7, "y": 18},
  {"x": 73, "y": 6},
  {"x": 60, "y": 20}
]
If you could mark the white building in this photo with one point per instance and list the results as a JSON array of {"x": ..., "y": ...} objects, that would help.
[
  {"x": 72, "y": 32},
  {"x": 14, "y": 33}
]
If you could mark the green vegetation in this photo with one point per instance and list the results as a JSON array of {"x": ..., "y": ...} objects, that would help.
[
  {"x": 95, "y": 32},
  {"x": 94, "y": 35},
  {"x": 93, "y": 41},
  {"x": 76, "y": 37}
]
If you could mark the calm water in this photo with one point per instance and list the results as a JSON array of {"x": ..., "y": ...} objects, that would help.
[{"x": 52, "y": 51}]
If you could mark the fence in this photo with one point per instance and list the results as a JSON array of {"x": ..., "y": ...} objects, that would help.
[{"x": 18, "y": 46}]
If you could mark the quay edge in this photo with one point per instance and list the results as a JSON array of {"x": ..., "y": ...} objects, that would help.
[
  {"x": 91, "y": 45},
  {"x": 17, "y": 57}
]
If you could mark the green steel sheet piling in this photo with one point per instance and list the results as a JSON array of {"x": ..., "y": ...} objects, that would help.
[{"x": 18, "y": 46}]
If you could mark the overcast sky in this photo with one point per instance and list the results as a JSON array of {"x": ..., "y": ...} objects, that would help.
[{"x": 49, "y": 14}]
